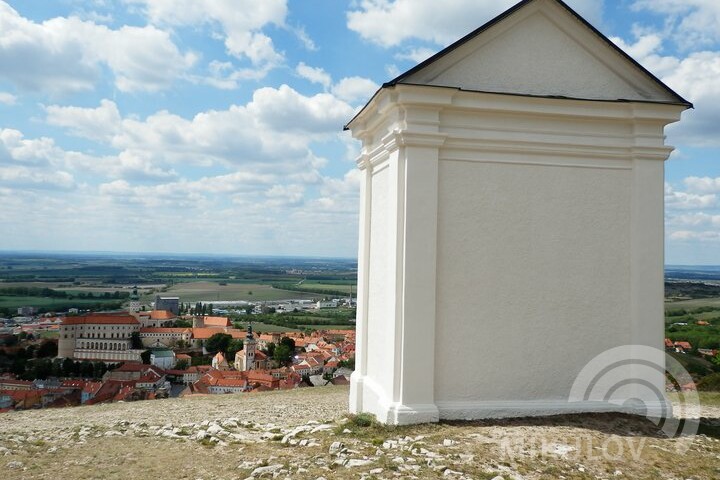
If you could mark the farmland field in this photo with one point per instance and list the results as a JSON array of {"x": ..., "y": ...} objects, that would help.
[
  {"x": 191, "y": 292},
  {"x": 328, "y": 327},
  {"x": 264, "y": 327},
  {"x": 348, "y": 287},
  {"x": 692, "y": 304},
  {"x": 13, "y": 302}
]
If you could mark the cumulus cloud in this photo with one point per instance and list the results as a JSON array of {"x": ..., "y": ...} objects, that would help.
[
  {"x": 67, "y": 54},
  {"x": 677, "y": 200},
  {"x": 99, "y": 123},
  {"x": 416, "y": 55},
  {"x": 314, "y": 75},
  {"x": 15, "y": 148},
  {"x": 276, "y": 126},
  {"x": 694, "y": 77},
  {"x": 693, "y": 217},
  {"x": 241, "y": 22},
  {"x": 691, "y": 22},
  {"x": 703, "y": 184},
  {"x": 354, "y": 89},
  {"x": 31, "y": 163},
  {"x": 390, "y": 22}
]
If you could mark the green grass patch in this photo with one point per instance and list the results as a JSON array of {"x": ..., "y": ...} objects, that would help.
[{"x": 191, "y": 292}]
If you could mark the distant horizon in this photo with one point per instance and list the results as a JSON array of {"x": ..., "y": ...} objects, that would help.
[
  {"x": 104, "y": 253},
  {"x": 108, "y": 253}
]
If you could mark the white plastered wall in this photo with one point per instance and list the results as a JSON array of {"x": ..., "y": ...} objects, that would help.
[{"x": 504, "y": 242}]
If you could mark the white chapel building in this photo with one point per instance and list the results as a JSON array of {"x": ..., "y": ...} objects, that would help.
[{"x": 511, "y": 221}]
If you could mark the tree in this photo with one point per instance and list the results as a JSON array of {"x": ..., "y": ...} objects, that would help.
[
  {"x": 145, "y": 357},
  {"x": 18, "y": 366},
  {"x": 99, "y": 369},
  {"x": 235, "y": 346},
  {"x": 270, "y": 349},
  {"x": 57, "y": 370},
  {"x": 219, "y": 342},
  {"x": 282, "y": 354},
  {"x": 68, "y": 367},
  {"x": 181, "y": 365},
  {"x": 349, "y": 363},
  {"x": 47, "y": 349},
  {"x": 86, "y": 369},
  {"x": 135, "y": 342},
  {"x": 289, "y": 342},
  {"x": 41, "y": 368}
]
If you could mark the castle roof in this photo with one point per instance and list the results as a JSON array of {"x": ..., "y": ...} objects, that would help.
[{"x": 102, "y": 319}]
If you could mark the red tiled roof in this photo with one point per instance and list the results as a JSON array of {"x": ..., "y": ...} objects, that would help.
[
  {"x": 102, "y": 319},
  {"x": 162, "y": 315},
  {"x": 217, "y": 322},
  {"x": 205, "y": 333}
]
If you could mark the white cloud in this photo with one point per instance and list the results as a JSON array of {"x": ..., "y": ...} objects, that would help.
[
  {"x": 283, "y": 195},
  {"x": 703, "y": 184},
  {"x": 15, "y": 148},
  {"x": 273, "y": 132},
  {"x": 694, "y": 77},
  {"x": 704, "y": 236},
  {"x": 390, "y": 22},
  {"x": 695, "y": 220},
  {"x": 241, "y": 22},
  {"x": 31, "y": 163},
  {"x": 675, "y": 200},
  {"x": 7, "y": 98},
  {"x": 19, "y": 177},
  {"x": 353, "y": 89},
  {"x": 314, "y": 75},
  {"x": 692, "y": 23},
  {"x": 416, "y": 55},
  {"x": 99, "y": 123},
  {"x": 67, "y": 54}
]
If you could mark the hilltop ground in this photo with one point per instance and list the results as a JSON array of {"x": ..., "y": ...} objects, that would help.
[{"x": 305, "y": 434}]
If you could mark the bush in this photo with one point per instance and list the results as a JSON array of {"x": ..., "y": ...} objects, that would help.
[{"x": 709, "y": 383}]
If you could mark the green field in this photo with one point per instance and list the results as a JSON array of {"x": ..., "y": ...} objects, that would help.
[
  {"x": 694, "y": 303},
  {"x": 346, "y": 286},
  {"x": 328, "y": 327},
  {"x": 13, "y": 302},
  {"x": 191, "y": 292},
  {"x": 265, "y": 327}
]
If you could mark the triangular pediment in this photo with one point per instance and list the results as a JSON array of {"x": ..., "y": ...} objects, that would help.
[{"x": 542, "y": 48}]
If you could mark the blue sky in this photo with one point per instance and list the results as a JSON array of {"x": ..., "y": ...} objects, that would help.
[{"x": 215, "y": 126}]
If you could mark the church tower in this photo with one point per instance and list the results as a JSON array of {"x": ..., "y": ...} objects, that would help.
[
  {"x": 134, "y": 301},
  {"x": 249, "y": 349}
]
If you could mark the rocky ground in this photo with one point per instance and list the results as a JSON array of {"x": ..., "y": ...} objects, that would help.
[{"x": 305, "y": 434}]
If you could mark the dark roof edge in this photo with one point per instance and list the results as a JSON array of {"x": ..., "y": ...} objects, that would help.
[
  {"x": 526, "y": 95},
  {"x": 509, "y": 12}
]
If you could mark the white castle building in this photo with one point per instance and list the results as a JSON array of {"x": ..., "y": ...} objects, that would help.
[{"x": 99, "y": 336}]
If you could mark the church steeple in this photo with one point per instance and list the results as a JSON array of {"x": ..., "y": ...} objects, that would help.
[
  {"x": 249, "y": 349},
  {"x": 134, "y": 300}
]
